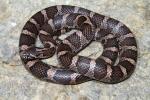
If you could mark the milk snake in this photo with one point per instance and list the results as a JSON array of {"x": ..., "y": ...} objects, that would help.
[{"x": 115, "y": 64}]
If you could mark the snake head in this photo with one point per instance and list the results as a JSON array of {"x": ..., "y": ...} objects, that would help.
[{"x": 28, "y": 55}]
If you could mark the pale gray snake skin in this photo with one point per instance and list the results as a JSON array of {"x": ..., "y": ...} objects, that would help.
[{"x": 116, "y": 63}]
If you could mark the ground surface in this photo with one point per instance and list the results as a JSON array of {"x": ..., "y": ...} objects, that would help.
[{"x": 17, "y": 84}]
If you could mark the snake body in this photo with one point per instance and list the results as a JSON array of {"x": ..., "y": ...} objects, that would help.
[{"x": 115, "y": 64}]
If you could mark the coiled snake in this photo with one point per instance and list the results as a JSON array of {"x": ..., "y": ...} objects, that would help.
[{"x": 115, "y": 64}]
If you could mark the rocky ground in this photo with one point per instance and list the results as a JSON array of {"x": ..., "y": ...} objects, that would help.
[{"x": 17, "y": 84}]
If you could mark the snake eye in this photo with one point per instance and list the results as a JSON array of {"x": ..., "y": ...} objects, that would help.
[{"x": 103, "y": 41}]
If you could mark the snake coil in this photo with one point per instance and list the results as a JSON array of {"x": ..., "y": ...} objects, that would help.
[{"x": 115, "y": 64}]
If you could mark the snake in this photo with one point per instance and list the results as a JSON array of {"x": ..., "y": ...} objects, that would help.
[{"x": 116, "y": 63}]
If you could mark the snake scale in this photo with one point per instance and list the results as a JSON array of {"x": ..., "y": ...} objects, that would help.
[{"x": 116, "y": 63}]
